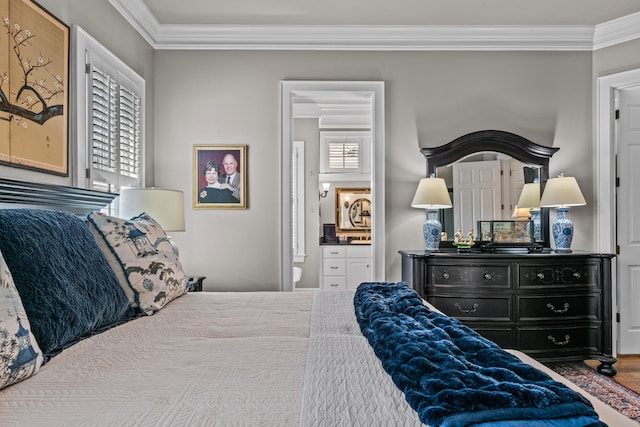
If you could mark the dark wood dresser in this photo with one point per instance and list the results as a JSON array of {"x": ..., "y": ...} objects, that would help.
[{"x": 551, "y": 306}]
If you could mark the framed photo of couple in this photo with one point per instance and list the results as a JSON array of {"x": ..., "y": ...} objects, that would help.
[{"x": 219, "y": 177}]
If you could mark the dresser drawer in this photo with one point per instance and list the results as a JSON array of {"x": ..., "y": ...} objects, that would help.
[
  {"x": 534, "y": 308},
  {"x": 499, "y": 335},
  {"x": 474, "y": 307},
  {"x": 558, "y": 274},
  {"x": 334, "y": 251},
  {"x": 334, "y": 283},
  {"x": 561, "y": 340},
  {"x": 334, "y": 267},
  {"x": 469, "y": 276}
]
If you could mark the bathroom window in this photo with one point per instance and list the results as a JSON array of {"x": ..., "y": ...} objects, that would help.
[{"x": 345, "y": 152}]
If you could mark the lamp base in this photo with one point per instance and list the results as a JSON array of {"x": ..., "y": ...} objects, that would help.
[
  {"x": 562, "y": 251},
  {"x": 562, "y": 231},
  {"x": 432, "y": 229}
]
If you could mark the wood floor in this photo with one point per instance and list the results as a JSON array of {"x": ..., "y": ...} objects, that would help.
[{"x": 628, "y": 367}]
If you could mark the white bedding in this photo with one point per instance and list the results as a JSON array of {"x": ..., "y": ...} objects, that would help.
[{"x": 223, "y": 359}]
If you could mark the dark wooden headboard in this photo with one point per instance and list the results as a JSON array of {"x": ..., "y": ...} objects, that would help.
[{"x": 15, "y": 193}]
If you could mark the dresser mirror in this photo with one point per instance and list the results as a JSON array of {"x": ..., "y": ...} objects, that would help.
[
  {"x": 353, "y": 209},
  {"x": 497, "y": 146}
]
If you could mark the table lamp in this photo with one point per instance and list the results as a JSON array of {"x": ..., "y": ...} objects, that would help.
[
  {"x": 562, "y": 193},
  {"x": 530, "y": 199},
  {"x": 432, "y": 194},
  {"x": 166, "y": 207}
]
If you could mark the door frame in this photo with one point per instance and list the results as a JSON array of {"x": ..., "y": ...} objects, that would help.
[
  {"x": 605, "y": 176},
  {"x": 290, "y": 89}
]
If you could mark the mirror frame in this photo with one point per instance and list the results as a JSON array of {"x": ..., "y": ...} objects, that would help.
[
  {"x": 356, "y": 193},
  {"x": 498, "y": 141}
]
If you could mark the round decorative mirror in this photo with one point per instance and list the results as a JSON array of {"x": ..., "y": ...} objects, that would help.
[{"x": 360, "y": 213}]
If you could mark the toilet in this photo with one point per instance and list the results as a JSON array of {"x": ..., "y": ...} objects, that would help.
[{"x": 297, "y": 274}]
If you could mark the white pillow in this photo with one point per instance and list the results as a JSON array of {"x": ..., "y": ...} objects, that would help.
[
  {"x": 147, "y": 265},
  {"x": 20, "y": 354}
]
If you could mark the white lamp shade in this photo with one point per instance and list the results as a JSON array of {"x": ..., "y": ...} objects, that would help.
[
  {"x": 164, "y": 206},
  {"x": 432, "y": 193},
  {"x": 562, "y": 191},
  {"x": 530, "y": 196}
]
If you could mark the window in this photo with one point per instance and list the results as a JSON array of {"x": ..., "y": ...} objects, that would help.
[
  {"x": 345, "y": 152},
  {"x": 297, "y": 201},
  {"x": 110, "y": 107},
  {"x": 344, "y": 155}
]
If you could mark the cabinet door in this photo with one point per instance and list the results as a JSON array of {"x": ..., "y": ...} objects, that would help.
[{"x": 358, "y": 271}]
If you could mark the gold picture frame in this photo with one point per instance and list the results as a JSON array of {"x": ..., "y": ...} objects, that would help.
[
  {"x": 34, "y": 95},
  {"x": 214, "y": 185}
]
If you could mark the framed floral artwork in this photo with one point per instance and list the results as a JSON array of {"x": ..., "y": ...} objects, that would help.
[
  {"x": 34, "y": 70},
  {"x": 219, "y": 176}
]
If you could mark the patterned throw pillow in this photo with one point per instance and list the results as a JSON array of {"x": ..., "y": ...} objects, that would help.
[
  {"x": 20, "y": 356},
  {"x": 152, "y": 273}
]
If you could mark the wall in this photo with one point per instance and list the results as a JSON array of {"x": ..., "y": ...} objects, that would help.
[
  {"x": 106, "y": 25},
  {"x": 431, "y": 98},
  {"x": 614, "y": 59}
]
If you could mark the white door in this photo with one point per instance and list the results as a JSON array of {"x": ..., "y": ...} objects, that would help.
[
  {"x": 516, "y": 182},
  {"x": 628, "y": 221},
  {"x": 476, "y": 193}
]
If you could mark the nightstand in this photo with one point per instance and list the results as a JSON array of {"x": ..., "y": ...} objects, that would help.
[{"x": 194, "y": 283}]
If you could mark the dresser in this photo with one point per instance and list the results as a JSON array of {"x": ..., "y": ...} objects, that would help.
[
  {"x": 551, "y": 306},
  {"x": 345, "y": 266}
]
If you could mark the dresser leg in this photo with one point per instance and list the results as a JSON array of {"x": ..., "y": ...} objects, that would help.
[{"x": 606, "y": 367}]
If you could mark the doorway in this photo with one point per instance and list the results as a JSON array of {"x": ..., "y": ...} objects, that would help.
[
  {"x": 292, "y": 90},
  {"x": 617, "y": 227}
]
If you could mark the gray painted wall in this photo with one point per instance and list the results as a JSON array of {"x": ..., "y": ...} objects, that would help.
[{"x": 431, "y": 98}]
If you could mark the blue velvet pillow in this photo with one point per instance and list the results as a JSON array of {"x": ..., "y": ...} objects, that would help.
[{"x": 66, "y": 286}]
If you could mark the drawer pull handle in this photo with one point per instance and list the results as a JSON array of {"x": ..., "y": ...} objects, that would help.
[
  {"x": 473, "y": 308},
  {"x": 333, "y": 267},
  {"x": 334, "y": 285},
  {"x": 553, "y": 340},
  {"x": 576, "y": 274},
  {"x": 564, "y": 308},
  {"x": 540, "y": 275},
  {"x": 488, "y": 276},
  {"x": 333, "y": 253},
  {"x": 445, "y": 275}
]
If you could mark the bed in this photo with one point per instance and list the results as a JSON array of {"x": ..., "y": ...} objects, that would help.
[{"x": 109, "y": 356}]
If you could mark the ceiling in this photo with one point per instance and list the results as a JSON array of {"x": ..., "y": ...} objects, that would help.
[{"x": 383, "y": 24}]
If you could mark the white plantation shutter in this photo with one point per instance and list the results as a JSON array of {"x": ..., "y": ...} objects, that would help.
[
  {"x": 345, "y": 152},
  {"x": 115, "y": 132},
  {"x": 344, "y": 155},
  {"x": 112, "y": 122},
  {"x": 104, "y": 112}
]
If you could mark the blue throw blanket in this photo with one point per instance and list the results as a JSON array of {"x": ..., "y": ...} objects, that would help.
[{"x": 454, "y": 377}]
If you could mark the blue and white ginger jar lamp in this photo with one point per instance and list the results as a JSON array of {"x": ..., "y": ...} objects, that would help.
[
  {"x": 562, "y": 193},
  {"x": 432, "y": 195},
  {"x": 530, "y": 199}
]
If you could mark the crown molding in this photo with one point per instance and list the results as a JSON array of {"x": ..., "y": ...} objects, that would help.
[
  {"x": 375, "y": 38},
  {"x": 617, "y": 31}
]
